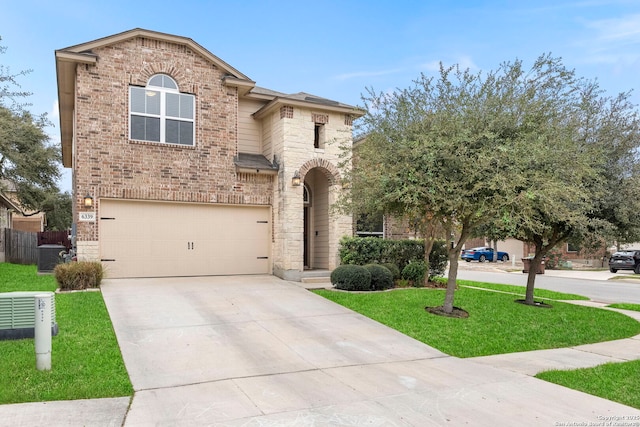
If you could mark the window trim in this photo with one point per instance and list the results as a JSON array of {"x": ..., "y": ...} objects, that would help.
[
  {"x": 319, "y": 135},
  {"x": 306, "y": 196},
  {"x": 164, "y": 118}
]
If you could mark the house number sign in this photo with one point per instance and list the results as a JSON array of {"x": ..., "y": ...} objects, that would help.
[{"x": 88, "y": 216}]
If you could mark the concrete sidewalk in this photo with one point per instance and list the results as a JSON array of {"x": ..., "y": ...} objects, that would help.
[
  {"x": 256, "y": 350},
  {"x": 582, "y": 356}
]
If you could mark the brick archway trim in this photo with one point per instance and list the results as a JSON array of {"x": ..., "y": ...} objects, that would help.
[{"x": 329, "y": 169}]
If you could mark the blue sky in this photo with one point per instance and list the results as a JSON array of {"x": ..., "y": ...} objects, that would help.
[{"x": 336, "y": 49}]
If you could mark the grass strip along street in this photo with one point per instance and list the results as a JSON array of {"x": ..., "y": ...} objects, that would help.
[
  {"x": 614, "y": 381},
  {"x": 85, "y": 358},
  {"x": 498, "y": 325},
  {"x": 495, "y": 325}
]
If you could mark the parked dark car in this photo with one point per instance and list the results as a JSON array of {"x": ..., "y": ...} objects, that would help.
[
  {"x": 482, "y": 254},
  {"x": 625, "y": 260}
]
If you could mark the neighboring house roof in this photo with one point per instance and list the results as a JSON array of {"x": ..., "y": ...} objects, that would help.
[
  {"x": 68, "y": 58},
  {"x": 7, "y": 188},
  {"x": 10, "y": 204},
  {"x": 17, "y": 217}
]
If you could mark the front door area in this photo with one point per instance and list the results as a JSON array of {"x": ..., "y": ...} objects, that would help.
[{"x": 316, "y": 220}]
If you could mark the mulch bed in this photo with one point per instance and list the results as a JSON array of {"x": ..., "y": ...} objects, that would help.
[
  {"x": 439, "y": 311},
  {"x": 535, "y": 303}
]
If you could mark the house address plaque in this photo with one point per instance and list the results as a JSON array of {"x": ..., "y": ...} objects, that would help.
[{"x": 88, "y": 216}]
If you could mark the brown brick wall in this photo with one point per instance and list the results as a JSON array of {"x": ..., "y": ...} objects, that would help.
[{"x": 108, "y": 164}]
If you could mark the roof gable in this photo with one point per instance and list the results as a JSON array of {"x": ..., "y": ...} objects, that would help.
[
  {"x": 88, "y": 47},
  {"x": 68, "y": 58}
]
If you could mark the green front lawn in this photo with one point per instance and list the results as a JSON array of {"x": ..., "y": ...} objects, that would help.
[
  {"x": 613, "y": 381},
  {"x": 85, "y": 357},
  {"x": 632, "y": 307},
  {"x": 496, "y": 324},
  {"x": 520, "y": 291}
]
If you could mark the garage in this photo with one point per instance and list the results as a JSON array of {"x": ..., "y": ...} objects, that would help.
[{"x": 161, "y": 239}]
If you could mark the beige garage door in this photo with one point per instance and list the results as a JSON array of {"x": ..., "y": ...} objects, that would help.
[{"x": 157, "y": 239}]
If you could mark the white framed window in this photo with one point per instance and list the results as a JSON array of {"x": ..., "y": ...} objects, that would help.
[
  {"x": 160, "y": 113},
  {"x": 370, "y": 225}
]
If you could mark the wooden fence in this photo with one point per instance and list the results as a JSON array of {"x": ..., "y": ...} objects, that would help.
[
  {"x": 21, "y": 247},
  {"x": 55, "y": 238}
]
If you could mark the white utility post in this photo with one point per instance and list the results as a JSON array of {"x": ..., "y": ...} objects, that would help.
[{"x": 42, "y": 331}]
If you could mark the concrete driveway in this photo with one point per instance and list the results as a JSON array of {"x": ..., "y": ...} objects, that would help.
[{"x": 259, "y": 351}]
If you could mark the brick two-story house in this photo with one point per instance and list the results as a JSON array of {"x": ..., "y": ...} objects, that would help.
[{"x": 189, "y": 168}]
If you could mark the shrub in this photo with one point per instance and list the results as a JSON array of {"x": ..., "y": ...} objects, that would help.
[
  {"x": 402, "y": 252},
  {"x": 351, "y": 278},
  {"x": 361, "y": 250},
  {"x": 438, "y": 259},
  {"x": 381, "y": 277},
  {"x": 553, "y": 260},
  {"x": 373, "y": 250},
  {"x": 78, "y": 275},
  {"x": 395, "y": 271},
  {"x": 415, "y": 272}
]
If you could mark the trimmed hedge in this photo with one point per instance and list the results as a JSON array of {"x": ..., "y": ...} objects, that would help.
[
  {"x": 395, "y": 271},
  {"x": 351, "y": 278},
  {"x": 373, "y": 250},
  {"x": 381, "y": 277},
  {"x": 78, "y": 275},
  {"x": 415, "y": 272}
]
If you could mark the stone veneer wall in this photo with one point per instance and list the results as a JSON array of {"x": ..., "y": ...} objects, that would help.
[
  {"x": 108, "y": 164},
  {"x": 292, "y": 140}
]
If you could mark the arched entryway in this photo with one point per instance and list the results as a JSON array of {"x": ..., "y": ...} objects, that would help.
[
  {"x": 319, "y": 178},
  {"x": 316, "y": 220}
]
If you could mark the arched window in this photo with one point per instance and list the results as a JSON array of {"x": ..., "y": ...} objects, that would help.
[{"x": 160, "y": 113}]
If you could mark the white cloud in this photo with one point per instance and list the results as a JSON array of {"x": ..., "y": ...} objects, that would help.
[
  {"x": 55, "y": 111},
  {"x": 614, "y": 40},
  {"x": 615, "y": 30}
]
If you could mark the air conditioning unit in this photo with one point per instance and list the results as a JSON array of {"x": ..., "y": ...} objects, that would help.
[
  {"x": 18, "y": 315},
  {"x": 49, "y": 257}
]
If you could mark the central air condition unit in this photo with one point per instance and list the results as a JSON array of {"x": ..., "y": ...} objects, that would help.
[
  {"x": 18, "y": 315},
  {"x": 49, "y": 257}
]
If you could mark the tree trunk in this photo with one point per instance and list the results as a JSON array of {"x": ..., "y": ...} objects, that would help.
[
  {"x": 495, "y": 251},
  {"x": 454, "y": 255},
  {"x": 428, "y": 233},
  {"x": 451, "y": 281},
  {"x": 534, "y": 265}
]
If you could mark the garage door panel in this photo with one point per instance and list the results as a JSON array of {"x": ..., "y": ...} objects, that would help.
[{"x": 156, "y": 239}]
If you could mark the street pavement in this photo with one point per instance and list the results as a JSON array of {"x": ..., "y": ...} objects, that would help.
[
  {"x": 599, "y": 285},
  {"x": 259, "y": 351}
]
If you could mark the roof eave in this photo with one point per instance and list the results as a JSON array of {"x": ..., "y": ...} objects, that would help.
[
  {"x": 244, "y": 86},
  {"x": 280, "y": 101},
  {"x": 66, "y": 63}
]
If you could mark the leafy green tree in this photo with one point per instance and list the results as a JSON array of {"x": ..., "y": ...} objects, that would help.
[
  {"x": 614, "y": 129},
  {"x": 58, "y": 207},
  {"x": 440, "y": 151},
  {"x": 509, "y": 152},
  {"x": 581, "y": 147},
  {"x": 10, "y": 91},
  {"x": 27, "y": 159}
]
